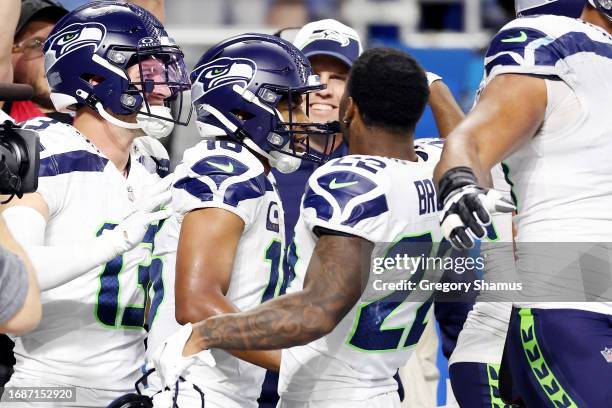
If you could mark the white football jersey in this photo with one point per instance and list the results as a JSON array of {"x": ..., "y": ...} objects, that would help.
[
  {"x": 562, "y": 178},
  {"x": 223, "y": 174},
  {"x": 501, "y": 229},
  {"x": 91, "y": 334},
  {"x": 391, "y": 203},
  {"x": 484, "y": 333}
]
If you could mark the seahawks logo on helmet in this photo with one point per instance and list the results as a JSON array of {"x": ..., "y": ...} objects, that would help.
[
  {"x": 72, "y": 38},
  {"x": 224, "y": 71},
  {"x": 331, "y": 35}
]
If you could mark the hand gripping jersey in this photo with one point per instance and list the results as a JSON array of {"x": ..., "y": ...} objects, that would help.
[
  {"x": 91, "y": 334},
  {"x": 562, "y": 178},
  {"x": 223, "y": 174},
  {"x": 392, "y": 204}
]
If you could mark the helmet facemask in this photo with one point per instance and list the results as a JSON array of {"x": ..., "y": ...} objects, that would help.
[
  {"x": 237, "y": 87},
  {"x": 88, "y": 55},
  {"x": 162, "y": 79}
]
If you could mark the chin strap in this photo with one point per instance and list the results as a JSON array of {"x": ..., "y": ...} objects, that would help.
[
  {"x": 253, "y": 146},
  {"x": 151, "y": 126},
  {"x": 94, "y": 102},
  {"x": 107, "y": 116}
]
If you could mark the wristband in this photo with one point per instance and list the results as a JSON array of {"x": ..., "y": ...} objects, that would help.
[{"x": 454, "y": 179}]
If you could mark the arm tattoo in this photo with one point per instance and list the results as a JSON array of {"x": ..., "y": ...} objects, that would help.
[{"x": 336, "y": 277}]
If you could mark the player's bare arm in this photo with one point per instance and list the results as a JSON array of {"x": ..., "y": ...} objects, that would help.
[
  {"x": 508, "y": 113},
  {"x": 446, "y": 111},
  {"x": 204, "y": 271},
  {"x": 334, "y": 282}
]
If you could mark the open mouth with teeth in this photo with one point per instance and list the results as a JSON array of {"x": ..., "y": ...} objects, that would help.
[{"x": 321, "y": 107}]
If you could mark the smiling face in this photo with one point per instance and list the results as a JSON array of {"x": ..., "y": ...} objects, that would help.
[{"x": 323, "y": 105}]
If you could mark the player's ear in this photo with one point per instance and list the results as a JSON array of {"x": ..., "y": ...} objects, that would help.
[{"x": 349, "y": 111}]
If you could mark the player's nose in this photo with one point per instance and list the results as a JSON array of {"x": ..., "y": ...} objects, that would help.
[{"x": 160, "y": 93}]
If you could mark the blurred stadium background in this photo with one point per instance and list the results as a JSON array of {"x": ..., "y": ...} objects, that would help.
[{"x": 448, "y": 37}]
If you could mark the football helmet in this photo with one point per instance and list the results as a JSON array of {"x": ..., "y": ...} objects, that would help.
[
  {"x": 132, "y": 401},
  {"x": 167, "y": 398},
  {"x": 89, "y": 52},
  {"x": 236, "y": 88},
  {"x": 568, "y": 8},
  {"x": 603, "y": 6}
]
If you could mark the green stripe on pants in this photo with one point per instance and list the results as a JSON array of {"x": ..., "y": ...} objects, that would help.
[{"x": 539, "y": 367}]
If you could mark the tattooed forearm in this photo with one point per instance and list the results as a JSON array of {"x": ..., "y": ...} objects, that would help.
[
  {"x": 282, "y": 323},
  {"x": 334, "y": 282}
]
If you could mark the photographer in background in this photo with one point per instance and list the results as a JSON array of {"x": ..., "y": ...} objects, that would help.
[
  {"x": 36, "y": 20},
  {"x": 24, "y": 52},
  {"x": 20, "y": 309}
]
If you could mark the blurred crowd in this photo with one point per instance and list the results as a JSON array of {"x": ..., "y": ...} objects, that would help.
[{"x": 435, "y": 15}]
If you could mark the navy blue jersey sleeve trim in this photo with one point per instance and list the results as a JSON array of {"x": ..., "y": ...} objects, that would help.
[
  {"x": 245, "y": 190},
  {"x": 78, "y": 160},
  {"x": 196, "y": 188},
  {"x": 368, "y": 209}
]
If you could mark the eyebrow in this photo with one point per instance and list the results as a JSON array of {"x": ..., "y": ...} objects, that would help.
[{"x": 338, "y": 76}]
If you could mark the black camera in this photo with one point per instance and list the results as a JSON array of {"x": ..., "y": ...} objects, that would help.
[
  {"x": 19, "y": 148},
  {"x": 19, "y": 160}
]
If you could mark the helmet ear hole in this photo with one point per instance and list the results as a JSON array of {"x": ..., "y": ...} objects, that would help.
[
  {"x": 92, "y": 79},
  {"x": 242, "y": 115}
]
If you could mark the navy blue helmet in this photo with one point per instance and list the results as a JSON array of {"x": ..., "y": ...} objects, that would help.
[
  {"x": 568, "y": 8},
  {"x": 88, "y": 54},
  {"x": 236, "y": 88}
]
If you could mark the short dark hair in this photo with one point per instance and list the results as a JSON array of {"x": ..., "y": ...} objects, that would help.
[{"x": 390, "y": 89}]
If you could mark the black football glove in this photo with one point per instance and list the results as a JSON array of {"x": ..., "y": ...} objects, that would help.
[{"x": 467, "y": 206}]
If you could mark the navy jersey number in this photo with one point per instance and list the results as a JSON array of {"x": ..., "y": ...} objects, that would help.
[
  {"x": 281, "y": 269},
  {"x": 369, "y": 333},
  {"x": 273, "y": 257},
  {"x": 367, "y": 163},
  {"x": 107, "y": 305},
  {"x": 157, "y": 284}
]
